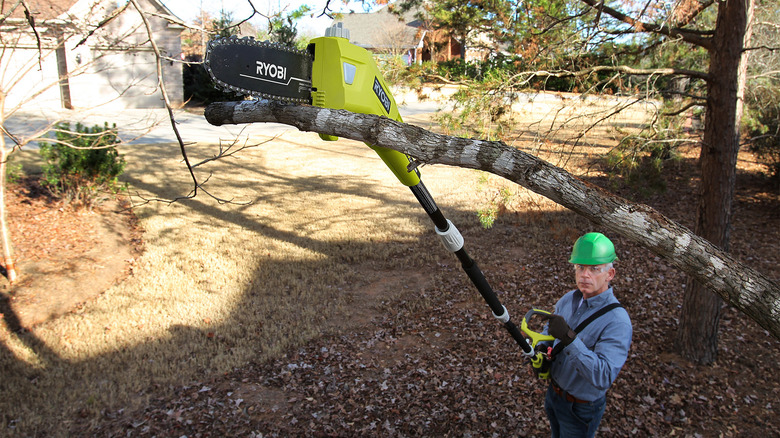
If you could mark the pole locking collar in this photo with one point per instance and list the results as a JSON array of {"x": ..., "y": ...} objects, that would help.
[{"x": 451, "y": 237}]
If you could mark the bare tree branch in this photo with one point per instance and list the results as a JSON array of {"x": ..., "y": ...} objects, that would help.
[
  {"x": 11, "y": 136},
  {"x": 682, "y": 110},
  {"x": 103, "y": 23},
  {"x": 527, "y": 76},
  {"x": 163, "y": 90},
  {"x": 31, "y": 20},
  {"x": 231, "y": 149},
  {"x": 771, "y": 49},
  {"x": 11, "y": 10},
  {"x": 640, "y": 26}
]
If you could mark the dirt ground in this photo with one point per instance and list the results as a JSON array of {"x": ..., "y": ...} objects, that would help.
[
  {"x": 66, "y": 257},
  {"x": 434, "y": 366}
]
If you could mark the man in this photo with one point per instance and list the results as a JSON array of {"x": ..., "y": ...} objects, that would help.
[{"x": 585, "y": 363}]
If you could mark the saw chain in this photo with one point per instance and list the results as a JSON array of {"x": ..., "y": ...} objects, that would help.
[{"x": 260, "y": 68}]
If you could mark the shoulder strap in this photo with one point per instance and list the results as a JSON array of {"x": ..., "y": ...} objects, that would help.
[
  {"x": 583, "y": 324},
  {"x": 596, "y": 315}
]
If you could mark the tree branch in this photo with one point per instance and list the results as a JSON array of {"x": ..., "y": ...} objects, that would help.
[
  {"x": 102, "y": 24},
  {"x": 163, "y": 90},
  {"x": 31, "y": 20},
  {"x": 640, "y": 26},
  {"x": 743, "y": 287},
  {"x": 618, "y": 68}
]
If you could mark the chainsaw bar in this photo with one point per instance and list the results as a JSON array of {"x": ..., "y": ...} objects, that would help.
[{"x": 260, "y": 68}]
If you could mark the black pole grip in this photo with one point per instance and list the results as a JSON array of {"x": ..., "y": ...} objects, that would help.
[
  {"x": 517, "y": 335},
  {"x": 470, "y": 266},
  {"x": 429, "y": 205},
  {"x": 478, "y": 278}
]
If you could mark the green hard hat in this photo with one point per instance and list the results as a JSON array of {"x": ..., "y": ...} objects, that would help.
[{"x": 593, "y": 249}]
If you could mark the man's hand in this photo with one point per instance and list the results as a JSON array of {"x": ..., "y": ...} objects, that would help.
[{"x": 558, "y": 328}]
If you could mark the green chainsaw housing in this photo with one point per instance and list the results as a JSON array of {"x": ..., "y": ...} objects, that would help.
[{"x": 345, "y": 76}]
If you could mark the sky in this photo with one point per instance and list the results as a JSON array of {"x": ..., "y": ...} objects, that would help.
[{"x": 189, "y": 11}]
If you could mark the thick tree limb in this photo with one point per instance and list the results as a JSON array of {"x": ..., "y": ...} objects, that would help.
[{"x": 741, "y": 286}]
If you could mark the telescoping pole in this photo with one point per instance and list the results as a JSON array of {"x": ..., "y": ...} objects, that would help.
[
  {"x": 370, "y": 95},
  {"x": 453, "y": 241}
]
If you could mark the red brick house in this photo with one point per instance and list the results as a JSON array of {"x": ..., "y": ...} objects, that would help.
[{"x": 385, "y": 32}]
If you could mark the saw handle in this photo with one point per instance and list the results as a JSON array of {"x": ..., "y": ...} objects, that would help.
[
  {"x": 541, "y": 365},
  {"x": 534, "y": 336}
]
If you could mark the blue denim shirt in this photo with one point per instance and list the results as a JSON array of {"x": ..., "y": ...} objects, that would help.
[{"x": 588, "y": 366}]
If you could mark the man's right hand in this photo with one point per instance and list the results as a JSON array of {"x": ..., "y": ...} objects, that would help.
[{"x": 558, "y": 327}]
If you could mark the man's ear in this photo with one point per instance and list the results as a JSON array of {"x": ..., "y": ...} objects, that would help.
[{"x": 610, "y": 274}]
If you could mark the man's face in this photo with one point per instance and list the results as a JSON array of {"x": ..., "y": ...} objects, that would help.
[{"x": 593, "y": 279}]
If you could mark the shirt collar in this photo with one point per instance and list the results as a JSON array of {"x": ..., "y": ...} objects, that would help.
[{"x": 598, "y": 301}]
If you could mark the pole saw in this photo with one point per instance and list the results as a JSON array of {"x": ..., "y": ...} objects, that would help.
[{"x": 333, "y": 73}]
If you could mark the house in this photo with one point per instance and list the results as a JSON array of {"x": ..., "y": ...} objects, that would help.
[
  {"x": 407, "y": 34},
  {"x": 82, "y": 54}
]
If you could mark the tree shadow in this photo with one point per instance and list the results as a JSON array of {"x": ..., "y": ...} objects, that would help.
[{"x": 10, "y": 317}]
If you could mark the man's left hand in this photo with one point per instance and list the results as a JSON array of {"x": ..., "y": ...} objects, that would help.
[{"x": 558, "y": 328}]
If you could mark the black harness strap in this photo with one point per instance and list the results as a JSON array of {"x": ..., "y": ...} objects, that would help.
[
  {"x": 585, "y": 323},
  {"x": 596, "y": 315}
]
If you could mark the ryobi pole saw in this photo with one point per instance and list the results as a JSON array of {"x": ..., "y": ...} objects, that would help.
[{"x": 333, "y": 73}]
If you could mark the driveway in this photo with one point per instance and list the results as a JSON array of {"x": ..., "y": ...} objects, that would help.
[{"x": 152, "y": 126}]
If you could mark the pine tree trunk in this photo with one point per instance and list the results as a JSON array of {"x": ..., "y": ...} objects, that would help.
[
  {"x": 698, "y": 333},
  {"x": 697, "y": 337}
]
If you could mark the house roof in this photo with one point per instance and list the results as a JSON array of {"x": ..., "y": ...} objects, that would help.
[
  {"x": 51, "y": 9},
  {"x": 40, "y": 9},
  {"x": 64, "y": 10},
  {"x": 383, "y": 29}
]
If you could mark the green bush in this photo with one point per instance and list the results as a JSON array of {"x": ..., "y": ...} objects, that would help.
[
  {"x": 13, "y": 173},
  {"x": 82, "y": 164},
  {"x": 639, "y": 160}
]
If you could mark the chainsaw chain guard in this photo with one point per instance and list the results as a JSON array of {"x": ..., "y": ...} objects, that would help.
[{"x": 260, "y": 68}]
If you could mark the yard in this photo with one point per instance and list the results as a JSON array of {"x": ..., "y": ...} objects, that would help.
[{"x": 320, "y": 302}]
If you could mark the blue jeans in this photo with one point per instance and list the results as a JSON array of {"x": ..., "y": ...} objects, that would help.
[{"x": 571, "y": 419}]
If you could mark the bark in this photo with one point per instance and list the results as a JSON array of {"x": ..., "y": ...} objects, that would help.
[
  {"x": 698, "y": 334},
  {"x": 62, "y": 70},
  {"x": 745, "y": 288}
]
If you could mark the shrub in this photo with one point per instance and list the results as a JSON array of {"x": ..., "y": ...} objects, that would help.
[
  {"x": 82, "y": 164},
  {"x": 14, "y": 173},
  {"x": 639, "y": 160},
  {"x": 498, "y": 204}
]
